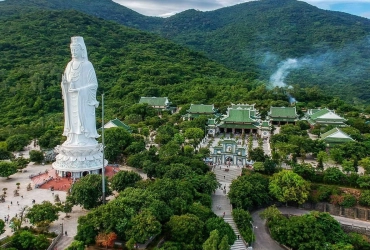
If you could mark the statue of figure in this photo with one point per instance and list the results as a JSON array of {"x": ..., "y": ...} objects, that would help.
[{"x": 79, "y": 86}]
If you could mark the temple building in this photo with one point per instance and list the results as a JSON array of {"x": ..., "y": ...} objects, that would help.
[
  {"x": 324, "y": 117},
  {"x": 334, "y": 137},
  {"x": 158, "y": 103},
  {"x": 239, "y": 119},
  {"x": 283, "y": 115},
  {"x": 117, "y": 123},
  {"x": 197, "y": 110},
  {"x": 229, "y": 151},
  {"x": 265, "y": 129}
]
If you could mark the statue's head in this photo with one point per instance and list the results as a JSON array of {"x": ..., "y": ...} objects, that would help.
[{"x": 78, "y": 48}]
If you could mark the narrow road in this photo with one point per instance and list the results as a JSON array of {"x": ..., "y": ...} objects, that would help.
[{"x": 264, "y": 240}]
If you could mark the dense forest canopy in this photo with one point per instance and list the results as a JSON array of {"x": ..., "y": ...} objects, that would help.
[
  {"x": 331, "y": 48},
  {"x": 34, "y": 50}
]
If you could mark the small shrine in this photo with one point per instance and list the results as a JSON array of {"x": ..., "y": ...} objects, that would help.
[{"x": 229, "y": 151}]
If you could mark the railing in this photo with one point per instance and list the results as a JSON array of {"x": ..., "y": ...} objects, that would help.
[{"x": 56, "y": 239}]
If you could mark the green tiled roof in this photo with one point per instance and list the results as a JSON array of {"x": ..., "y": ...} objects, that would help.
[
  {"x": 240, "y": 126},
  {"x": 265, "y": 124},
  {"x": 335, "y": 135},
  {"x": 154, "y": 101},
  {"x": 244, "y": 106},
  {"x": 281, "y": 112},
  {"x": 120, "y": 124},
  {"x": 201, "y": 108},
  {"x": 324, "y": 116},
  {"x": 211, "y": 122},
  {"x": 318, "y": 113},
  {"x": 238, "y": 115}
]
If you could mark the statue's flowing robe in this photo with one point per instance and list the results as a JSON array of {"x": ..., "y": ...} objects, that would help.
[{"x": 79, "y": 94}]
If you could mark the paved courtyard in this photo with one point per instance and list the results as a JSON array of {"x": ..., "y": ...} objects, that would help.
[{"x": 13, "y": 204}]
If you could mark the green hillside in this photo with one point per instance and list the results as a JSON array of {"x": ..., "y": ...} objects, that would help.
[
  {"x": 331, "y": 48},
  {"x": 105, "y": 9},
  {"x": 34, "y": 49}
]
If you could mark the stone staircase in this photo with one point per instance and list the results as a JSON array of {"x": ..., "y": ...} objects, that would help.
[
  {"x": 221, "y": 204},
  {"x": 63, "y": 242},
  {"x": 239, "y": 243},
  {"x": 227, "y": 176}
]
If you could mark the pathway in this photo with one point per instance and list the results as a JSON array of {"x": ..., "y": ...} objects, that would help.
[
  {"x": 220, "y": 202},
  {"x": 264, "y": 240}
]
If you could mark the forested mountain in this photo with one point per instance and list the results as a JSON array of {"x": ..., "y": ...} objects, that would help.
[
  {"x": 105, "y": 9},
  {"x": 34, "y": 49},
  {"x": 329, "y": 49}
]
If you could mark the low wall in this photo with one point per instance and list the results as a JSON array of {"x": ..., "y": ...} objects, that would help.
[{"x": 359, "y": 213}]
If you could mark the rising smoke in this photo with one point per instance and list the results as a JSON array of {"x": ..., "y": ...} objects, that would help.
[
  {"x": 349, "y": 64},
  {"x": 277, "y": 79}
]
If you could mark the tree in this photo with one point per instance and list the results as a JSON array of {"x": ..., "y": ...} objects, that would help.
[
  {"x": 305, "y": 170},
  {"x": 222, "y": 227},
  {"x": 42, "y": 214},
  {"x": 2, "y": 227},
  {"x": 7, "y": 169},
  {"x": 23, "y": 240},
  {"x": 288, "y": 186},
  {"x": 106, "y": 239},
  {"x": 124, "y": 179},
  {"x": 144, "y": 226},
  {"x": 195, "y": 134},
  {"x": 365, "y": 198},
  {"x": 322, "y": 157},
  {"x": 5, "y": 154},
  {"x": 243, "y": 220},
  {"x": 333, "y": 175},
  {"x": 186, "y": 228},
  {"x": 36, "y": 156},
  {"x": 359, "y": 241},
  {"x": 17, "y": 142},
  {"x": 224, "y": 245},
  {"x": 212, "y": 242},
  {"x": 365, "y": 163},
  {"x": 347, "y": 166},
  {"x": 87, "y": 191},
  {"x": 249, "y": 191},
  {"x": 41, "y": 242},
  {"x": 336, "y": 154},
  {"x": 309, "y": 231},
  {"x": 21, "y": 162},
  {"x": 116, "y": 141},
  {"x": 271, "y": 213},
  {"x": 76, "y": 245},
  {"x": 257, "y": 154}
]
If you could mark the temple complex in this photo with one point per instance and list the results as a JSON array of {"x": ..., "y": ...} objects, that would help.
[
  {"x": 239, "y": 119},
  {"x": 229, "y": 151},
  {"x": 158, "y": 103},
  {"x": 324, "y": 117},
  {"x": 117, "y": 123},
  {"x": 334, "y": 137},
  {"x": 283, "y": 115},
  {"x": 197, "y": 110}
]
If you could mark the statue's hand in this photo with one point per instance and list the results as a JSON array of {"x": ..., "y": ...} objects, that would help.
[{"x": 64, "y": 79}]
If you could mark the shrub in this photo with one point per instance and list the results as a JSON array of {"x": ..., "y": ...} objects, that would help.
[
  {"x": 336, "y": 199},
  {"x": 324, "y": 192},
  {"x": 348, "y": 201},
  {"x": 334, "y": 176},
  {"x": 365, "y": 198}
]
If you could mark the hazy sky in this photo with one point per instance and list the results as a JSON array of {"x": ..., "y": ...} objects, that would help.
[{"x": 166, "y": 8}]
